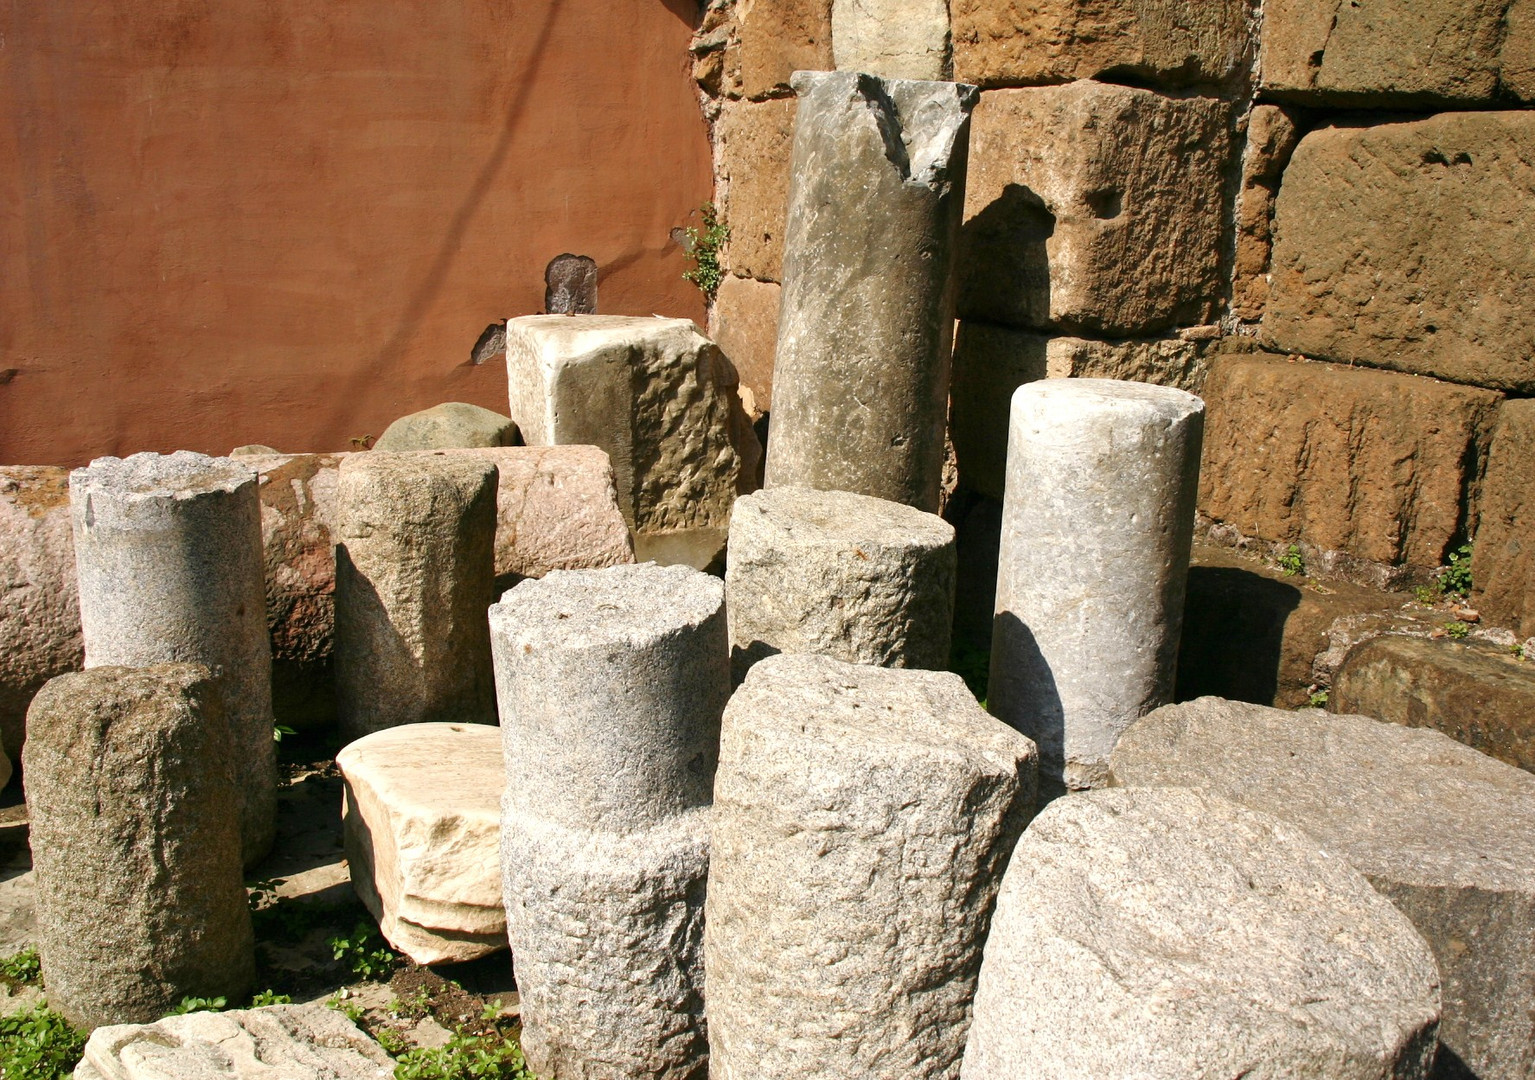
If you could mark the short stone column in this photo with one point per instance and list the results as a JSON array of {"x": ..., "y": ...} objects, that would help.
[
  {"x": 841, "y": 575},
  {"x": 611, "y": 684},
  {"x": 169, "y": 559},
  {"x": 136, "y": 843},
  {"x": 415, "y": 565},
  {"x": 1097, "y": 523},
  {"x": 861, "y": 379},
  {"x": 862, "y": 821}
]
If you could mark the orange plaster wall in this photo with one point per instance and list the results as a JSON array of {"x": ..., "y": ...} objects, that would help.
[{"x": 288, "y": 221}]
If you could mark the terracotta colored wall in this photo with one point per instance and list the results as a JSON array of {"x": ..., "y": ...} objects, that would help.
[{"x": 287, "y": 222}]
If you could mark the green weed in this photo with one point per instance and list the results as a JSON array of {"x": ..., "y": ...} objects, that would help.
[
  {"x": 22, "y": 969},
  {"x": 38, "y": 1044},
  {"x": 269, "y": 997},
  {"x": 1292, "y": 562},
  {"x": 1455, "y": 579},
  {"x": 1457, "y": 629},
  {"x": 465, "y": 1057},
  {"x": 364, "y": 953},
  {"x": 198, "y": 1004},
  {"x": 703, "y": 248}
]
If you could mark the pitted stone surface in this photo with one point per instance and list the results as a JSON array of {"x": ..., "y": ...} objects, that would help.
[
  {"x": 896, "y": 39},
  {"x": 135, "y": 837},
  {"x": 169, "y": 559},
  {"x": 447, "y": 426},
  {"x": 841, "y": 575},
  {"x": 1446, "y": 833},
  {"x": 422, "y": 820},
  {"x": 1097, "y": 525},
  {"x": 1159, "y": 935},
  {"x": 863, "y": 818}
]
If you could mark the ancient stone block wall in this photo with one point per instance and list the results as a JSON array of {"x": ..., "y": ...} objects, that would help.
[{"x": 1314, "y": 212}]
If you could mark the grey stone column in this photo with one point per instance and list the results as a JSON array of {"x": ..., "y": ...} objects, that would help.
[
  {"x": 861, "y": 380},
  {"x": 863, "y": 819},
  {"x": 136, "y": 843},
  {"x": 415, "y": 568},
  {"x": 611, "y": 684},
  {"x": 1097, "y": 523},
  {"x": 168, "y": 555}
]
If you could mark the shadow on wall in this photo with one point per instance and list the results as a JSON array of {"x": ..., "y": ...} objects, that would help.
[
  {"x": 1233, "y": 635},
  {"x": 1005, "y": 267},
  {"x": 1030, "y": 679}
]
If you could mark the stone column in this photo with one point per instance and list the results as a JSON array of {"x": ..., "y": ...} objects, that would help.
[
  {"x": 842, "y": 575},
  {"x": 415, "y": 563},
  {"x": 136, "y": 843},
  {"x": 168, "y": 555},
  {"x": 1097, "y": 522},
  {"x": 861, "y": 379},
  {"x": 863, "y": 818},
  {"x": 611, "y": 685}
]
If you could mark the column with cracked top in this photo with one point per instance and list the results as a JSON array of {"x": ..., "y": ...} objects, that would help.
[
  {"x": 169, "y": 559},
  {"x": 611, "y": 685},
  {"x": 1097, "y": 522},
  {"x": 861, "y": 379}
]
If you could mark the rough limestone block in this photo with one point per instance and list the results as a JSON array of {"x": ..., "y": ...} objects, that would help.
[
  {"x": 863, "y": 818},
  {"x": 1373, "y": 464},
  {"x": 1474, "y": 692},
  {"x": 415, "y": 560},
  {"x": 1272, "y": 135},
  {"x": 611, "y": 684},
  {"x": 841, "y": 575},
  {"x": 990, "y": 362},
  {"x": 745, "y": 325},
  {"x": 296, "y": 1042},
  {"x": 895, "y": 39},
  {"x": 656, "y": 395},
  {"x": 1503, "y": 560},
  {"x": 169, "y": 560},
  {"x": 40, "y": 618},
  {"x": 861, "y": 379},
  {"x": 1163, "y": 42},
  {"x": 754, "y": 143},
  {"x": 1404, "y": 246},
  {"x": 1097, "y": 522},
  {"x": 447, "y": 426},
  {"x": 135, "y": 835},
  {"x": 1159, "y": 935},
  {"x": 1074, "y": 185},
  {"x": 1446, "y": 833},
  {"x": 779, "y": 37},
  {"x": 423, "y": 837},
  {"x": 1386, "y": 52},
  {"x": 1517, "y": 62}
]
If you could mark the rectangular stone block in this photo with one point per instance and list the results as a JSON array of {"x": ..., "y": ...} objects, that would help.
[
  {"x": 1406, "y": 246},
  {"x": 1164, "y": 42},
  {"x": 1271, "y": 138},
  {"x": 1503, "y": 558},
  {"x": 750, "y": 50},
  {"x": 1376, "y": 465},
  {"x": 896, "y": 39},
  {"x": 1094, "y": 209},
  {"x": 745, "y": 326},
  {"x": 753, "y": 143}
]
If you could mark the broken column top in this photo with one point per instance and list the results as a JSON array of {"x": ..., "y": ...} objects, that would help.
[
  {"x": 565, "y": 337},
  {"x": 617, "y": 605},
  {"x": 178, "y": 476},
  {"x": 806, "y": 516},
  {"x": 1057, "y": 403}
]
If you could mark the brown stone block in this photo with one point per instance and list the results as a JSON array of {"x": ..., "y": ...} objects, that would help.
[
  {"x": 755, "y": 143},
  {"x": 779, "y": 37},
  {"x": 1503, "y": 559},
  {"x": 1271, "y": 138},
  {"x": 1166, "y": 42},
  {"x": 1406, "y": 246},
  {"x": 1094, "y": 208},
  {"x": 1375, "y": 465},
  {"x": 745, "y": 327}
]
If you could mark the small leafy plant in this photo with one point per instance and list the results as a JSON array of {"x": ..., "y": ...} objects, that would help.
[
  {"x": 1455, "y": 579},
  {"x": 364, "y": 953},
  {"x": 465, "y": 1057},
  {"x": 703, "y": 247},
  {"x": 349, "y": 1009},
  {"x": 38, "y": 1044},
  {"x": 1292, "y": 562},
  {"x": 22, "y": 969},
  {"x": 1318, "y": 699},
  {"x": 200, "y": 1004},
  {"x": 1457, "y": 629},
  {"x": 269, "y": 997}
]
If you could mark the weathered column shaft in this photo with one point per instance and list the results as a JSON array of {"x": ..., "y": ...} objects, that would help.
[
  {"x": 169, "y": 559},
  {"x": 861, "y": 379},
  {"x": 1097, "y": 523}
]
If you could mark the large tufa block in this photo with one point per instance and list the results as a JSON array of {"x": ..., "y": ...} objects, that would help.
[
  {"x": 1159, "y": 935},
  {"x": 861, "y": 379},
  {"x": 1376, "y": 465},
  {"x": 1403, "y": 246},
  {"x": 745, "y": 324},
  {"x": 169, "y": 559},
  {"x": 414, "y": 575},
  {"x": 423, "y": 837},
  {"x": 1503, "y": 561},
  {"x": 755, "y": 142},
  {"x": 863, "y": 817},
  {"x": 1445, "y": 833},
  {"x": 656, "y": 395},
  {"x": 895, "y": 39},
  {"x": 1094, "y": 208},
  {"x": 842, "y": 575},
  {"x": 135, "y": 833}
]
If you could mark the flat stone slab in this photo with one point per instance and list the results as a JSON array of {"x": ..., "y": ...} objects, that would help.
[
  {"x": 422, "y": 821},
  {"x": 278, "y": 1042},
  {"x": 1161, "y": 935},
  {"x": 1446, "y": 833}
]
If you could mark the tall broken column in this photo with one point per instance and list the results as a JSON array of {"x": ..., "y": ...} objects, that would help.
[
  {"x": 415, "y": 567},
  {"x": 611, "y": 684},
  {"x": 1097, "y": 522},
  {"x": 861, "y": 380},
  {"x": 168, "y": 555}
]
